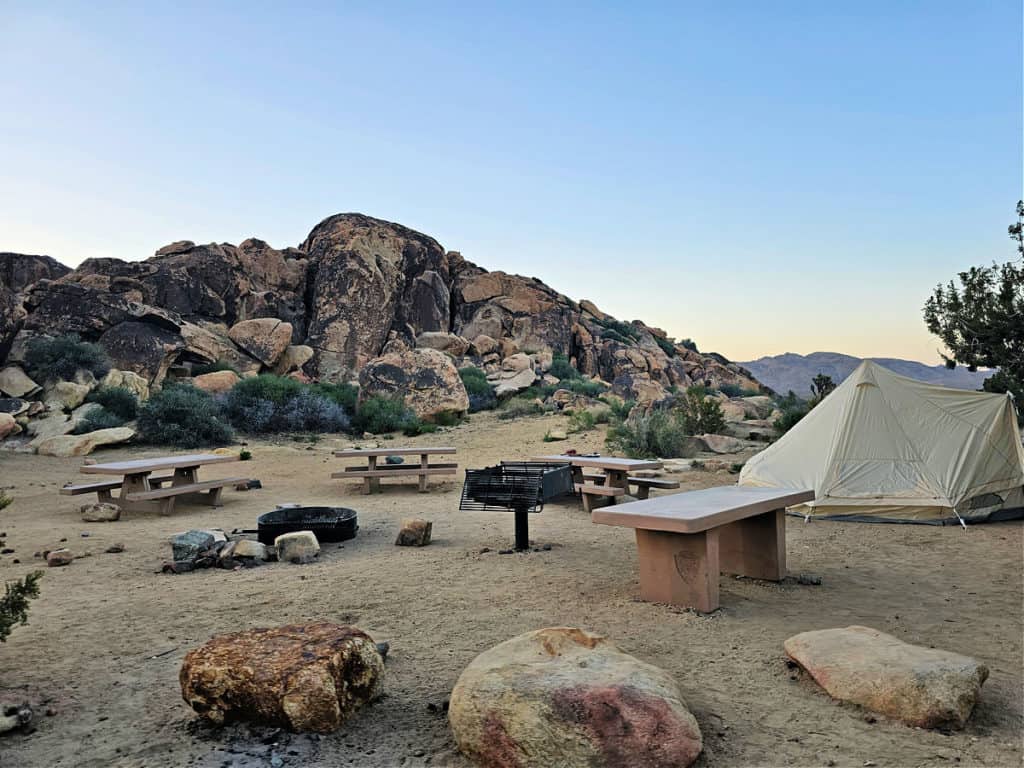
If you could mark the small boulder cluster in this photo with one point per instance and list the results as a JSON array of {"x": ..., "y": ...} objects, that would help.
[{"x": 212, "y": 548}]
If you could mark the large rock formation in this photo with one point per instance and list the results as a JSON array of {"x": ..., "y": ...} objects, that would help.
[
  {"x": 563, "y": 696},
  {"x": 426, "y": 378},
  {"x": 355, "y": 285}
]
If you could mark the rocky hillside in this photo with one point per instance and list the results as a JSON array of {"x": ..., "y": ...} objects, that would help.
[
  {"x": 794, "y": 372},
  {"x": 357, "y": 290}
]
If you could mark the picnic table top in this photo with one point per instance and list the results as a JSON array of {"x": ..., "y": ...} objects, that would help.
[
  {"x": 143, "y": 466},
  {"x": 604, "y": 462},
  {"x": 354, "y": 453},
  {"x": 696, "y": 511}
]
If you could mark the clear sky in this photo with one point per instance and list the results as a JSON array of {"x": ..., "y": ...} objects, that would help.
[{"x": 760, "y": 176}]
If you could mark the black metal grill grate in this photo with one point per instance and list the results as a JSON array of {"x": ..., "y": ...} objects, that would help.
[{"x": 517, "y": 485}]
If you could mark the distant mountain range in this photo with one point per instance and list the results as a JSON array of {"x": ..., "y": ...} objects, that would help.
[{"x": 794, "y": 372}]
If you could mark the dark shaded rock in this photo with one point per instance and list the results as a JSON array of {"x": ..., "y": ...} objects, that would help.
[
  {"x": 142, "y": 348},
  {"x": 426, "y": 378}
]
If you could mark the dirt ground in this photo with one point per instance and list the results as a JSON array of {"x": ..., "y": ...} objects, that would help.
[{"x": 100, "y": 655}]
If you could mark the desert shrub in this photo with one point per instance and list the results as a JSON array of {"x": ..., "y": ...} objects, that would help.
[
  {"x": 620, "y": 409},
  {"x": 790, "y": 418},
  {"x": 63, "y": 356},
  {"x": 447, "y": 419},
  {"x": 587, "y": 387},
  {"x": 15, "y": 602},
  {"x": 481, "y": 393},
  {"x": 666, "y": 346},
  {"x": 5, "y": 500},
  {"x": 536, "y": 392},
  {"x": 417, "y": 427},
  {"x": 581, "y": 421},
  {"x": 344, "y": 395},
  {"x": 183, "y": 416},
  {"x": 699, "y": 414},
  {"x": 98, "y": 418},
  {"x": 689, "y": 344},
  {"x": 562, "y": 369},
  {"x": 119, "y": 401},
  {"x": 266, "y": 386},
  {"x": 648, "y": 435},
  {"x": 735, "y": 390},
  {"x": 214, "y": 367},
  {"x": 625, "y": 333},
  {"x": 516, "y": 407},
  {"x": 379, "y": 414},
  {"x": 602, "y": 416},
  {"x": 309, "y": 412},
  {"x": 244, "y": 455}
]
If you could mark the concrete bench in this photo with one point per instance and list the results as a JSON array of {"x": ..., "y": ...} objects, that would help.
[
  {"x": 686, "y": 540},
  {"x": 590, "y": 491},
  {"x": 205, "y": 492},
  {"x": 103, "y": 489},
  {"x": 645, "y": 484}
]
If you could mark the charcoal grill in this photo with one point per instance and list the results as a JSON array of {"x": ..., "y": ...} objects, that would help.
[
  {"x": 326, "y": 523},
  {"x": 519, "y": 486}
]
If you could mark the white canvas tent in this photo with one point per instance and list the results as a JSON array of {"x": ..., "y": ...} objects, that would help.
[{"x": 883, "y": 447}]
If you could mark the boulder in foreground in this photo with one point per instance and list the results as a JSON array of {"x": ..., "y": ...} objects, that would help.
[
  {"x": 563, "y": 696},
  {"x": 414, "y": 532},
  {"x": 305, "y": 677},
  {"x": 922, "y": 687}
]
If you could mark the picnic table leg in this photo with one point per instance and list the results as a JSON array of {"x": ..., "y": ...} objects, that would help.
[
  {"x": 755, "y": 547},
  {"x": 371, "y": 484},
  {"x": 642, "y": 492},
  {"x": 616, "y": 478},
  {"x": 679, "y": 568},
  {"x": 136, "y": 483},
  {"x": 423, "y": 466}
]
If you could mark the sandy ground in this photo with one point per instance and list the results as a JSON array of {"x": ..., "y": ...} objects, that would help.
[{"x": 106, "y": 638}]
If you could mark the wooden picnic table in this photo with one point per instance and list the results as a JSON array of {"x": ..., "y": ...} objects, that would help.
[
  {"x": 616, "y": 469},
  {"x": 372, "y": 472},
  {"x": 141, "y": 492},
  {"x": 684, "y": 541}
]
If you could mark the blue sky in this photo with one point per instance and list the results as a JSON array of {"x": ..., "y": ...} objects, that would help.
[{"x": 762, "y": 177}]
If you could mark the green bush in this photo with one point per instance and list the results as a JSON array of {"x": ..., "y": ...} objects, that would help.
[
  {"x": 588, "y": 387},
  {"x": 620, "y": 409},
  {"x": 269, "y": 404},
  {"x": 344, "y": 395},
  {"x": 481, "y": 393},
  {"x": 625, "y": 333},
  {"x": 63, "y": 356},
  {"x": 658, "y": 434},
  {"x": 446, "y": 419},
  {"x": 98, "y": 418},
  {"x": 790, "y": 418},
  {"x": 666, "y": 346},
  {"x": 689, "y": 344},
  {"x": 183, "y": 416},
  {"x": 562, "y": 369},
  {"x": 581, "y": 421},
  {"x": 699, "y": 414},
  {"x": 5, "y": 500},
  {"x": 119, "y": 401},
  {"x": 244, "y": 455},
  {"x": 267, "y": 386},
  {"x": 219, "y": 365},
  {"x": 418, "y": 427},
  {"x": 536, "y": 392},
  {"x": 735, "y": 390},
  {"x": 516, "y": 407},
  {"x": 15, "y": 602},
  {"x": 380, "y": 414}
]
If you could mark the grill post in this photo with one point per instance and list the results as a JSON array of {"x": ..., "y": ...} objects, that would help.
[{"x": 522, "y": 529}]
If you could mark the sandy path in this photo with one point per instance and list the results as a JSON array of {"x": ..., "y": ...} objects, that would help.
[{"x": 93, "y": 633}]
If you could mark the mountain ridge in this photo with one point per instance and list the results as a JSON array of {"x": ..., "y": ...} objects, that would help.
[{"x": 792, "y": 371}]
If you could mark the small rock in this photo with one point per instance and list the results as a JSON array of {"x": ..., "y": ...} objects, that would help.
[
  {"x": 250, "y": 548},
  {"x": 809, "y": 579},
  {"x": 188, "y": 546},
  {"x": 394, "y": 460},
  {"x": 415, "y": 532},
  {"x": 115, "y": 549},
  {"x": 297, "y": 547},
  {"x": 556, "y": 434},
  {"x": 100, "y": 512},
  {"x": 59, "y": 557}
]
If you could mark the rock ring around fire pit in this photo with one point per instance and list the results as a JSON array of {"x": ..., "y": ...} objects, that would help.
[{"x": 327, "y": 523}]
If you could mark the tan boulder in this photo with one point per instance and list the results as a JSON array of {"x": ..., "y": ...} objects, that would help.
[
  {"x": 297, "y": 547},
  {"x": 66, "y": 395},
  {"x": 128, "y": 380},
  {"x": 733, "y": 411},
  {"x": 14, "y": 382},
  {"x": 517, "y": 362},
  {"x": 304, "y": 677},
  {"x": 216, "y": 381},
  {"x": 82, "y": 445},
  {"x": 294, "y": 357},
  {"x": 427, "y": 380},
  {"x": 59, "y": 557},
  {"x": 100, "y": 512},
  {"x": 414, "y": 532},
  {"x": 722, "y": 443},
  {"x": 508, "y": 382},
  {"x": 53, "y": 423},
  {"x": 484, "y": 345},
  {"x": 454, "y": 345},
  {"x": 265, "y": 338},
  {"x": 210, "y": 342},
  {"x": 922, "y": 687},
  {"x": 563, "y": 696},
  {"x": 8, "y": 426},
  {"x": 588, "y": 306}
]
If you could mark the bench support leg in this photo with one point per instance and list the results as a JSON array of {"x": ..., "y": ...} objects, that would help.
[
  {"x": 423, "y": 478},
  {"x": 104, "y": 496},
  {"x": 679, "y": 569},
  {"x": 588, "y": 502},
  {"x": 642, "y": 492},
  {"x": 755, "y": 547}
]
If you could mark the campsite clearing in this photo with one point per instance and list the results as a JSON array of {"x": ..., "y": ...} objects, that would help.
[{"x": 106, "y": 638}]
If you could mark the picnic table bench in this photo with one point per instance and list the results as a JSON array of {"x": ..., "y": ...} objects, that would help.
[
  {"x": 612, "y": 479},
  {"x": 684, "y": 541},
  {"x": 372, "y": 472},
  {"x": 142, "y": 492}
]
